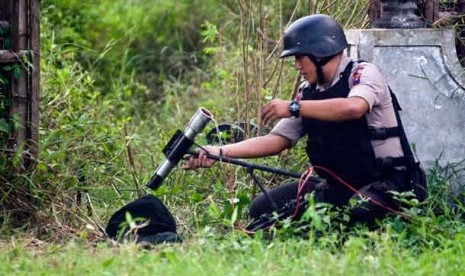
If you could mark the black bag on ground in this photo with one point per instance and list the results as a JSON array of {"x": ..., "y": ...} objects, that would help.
[{"x": 160, "y": 225}]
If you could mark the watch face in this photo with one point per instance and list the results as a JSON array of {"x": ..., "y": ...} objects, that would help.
[{"x": 294, "y": 106}]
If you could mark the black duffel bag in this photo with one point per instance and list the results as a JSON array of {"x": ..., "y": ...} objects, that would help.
[{"x": 155, "y": 222}]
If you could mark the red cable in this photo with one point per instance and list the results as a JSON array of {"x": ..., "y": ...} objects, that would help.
[
  {"x": 361, "y": 194},
  {"x": 304, "y": 179},
  {"x": 300, "y": 187}
]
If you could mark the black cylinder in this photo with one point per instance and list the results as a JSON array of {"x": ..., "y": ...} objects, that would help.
[{"x": 155, "y": 182}]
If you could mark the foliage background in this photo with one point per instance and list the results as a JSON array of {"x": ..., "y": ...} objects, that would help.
[{"x": 119, "y": 77}]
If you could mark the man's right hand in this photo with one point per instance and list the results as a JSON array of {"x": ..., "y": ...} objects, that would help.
[{"x": 202, "y": 161}]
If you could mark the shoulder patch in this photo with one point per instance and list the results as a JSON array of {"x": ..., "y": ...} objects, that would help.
[{"x": 357, "y": 74}]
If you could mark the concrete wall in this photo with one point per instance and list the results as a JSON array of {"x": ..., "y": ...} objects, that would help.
[{"x": 422, "y": 69}]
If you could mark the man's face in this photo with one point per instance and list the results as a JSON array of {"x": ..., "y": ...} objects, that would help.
[{"x": 306, "y": 68}]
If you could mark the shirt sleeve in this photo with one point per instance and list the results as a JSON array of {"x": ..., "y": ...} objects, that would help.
[
  {"x": 367, "y": 82},
  {"x": 289, "y": 128}
]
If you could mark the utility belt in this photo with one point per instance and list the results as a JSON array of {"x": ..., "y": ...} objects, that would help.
[{"x": 391, "y": 163}]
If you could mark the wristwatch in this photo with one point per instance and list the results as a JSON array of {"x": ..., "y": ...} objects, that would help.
[{"x": 294, "y": 108}]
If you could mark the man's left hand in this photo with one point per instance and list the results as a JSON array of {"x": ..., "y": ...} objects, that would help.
[{"x": 274, "y": 110}]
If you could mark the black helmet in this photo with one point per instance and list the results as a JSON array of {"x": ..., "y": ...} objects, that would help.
[{"x": 317, "y": 35}]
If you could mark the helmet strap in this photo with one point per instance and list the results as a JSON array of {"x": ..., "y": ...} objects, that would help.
[{"x": 319, "y": 63}]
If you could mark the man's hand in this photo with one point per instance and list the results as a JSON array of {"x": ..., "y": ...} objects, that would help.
[
  {"x": 274, "y": 110},
  {"x": 202, "y": 161}
]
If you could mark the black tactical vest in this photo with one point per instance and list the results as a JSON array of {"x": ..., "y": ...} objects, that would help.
[{"x": 344, "y": 148}]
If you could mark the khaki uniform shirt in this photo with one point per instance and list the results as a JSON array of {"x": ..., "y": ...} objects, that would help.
[{"x": 366, "y": 82}]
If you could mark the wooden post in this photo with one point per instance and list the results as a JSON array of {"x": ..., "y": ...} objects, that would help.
[
  {"x": 24, "y": 54},
  {"x": 34, "y": 46},
  {"x": 19, "y": 85},
  {"x": 430, "y": 10},
  {"x": 461, "y": 6},
  {"x": 2, "y": 10},
  {"x": 461, "y": 31},
  {"x": 374, "y": 10}
]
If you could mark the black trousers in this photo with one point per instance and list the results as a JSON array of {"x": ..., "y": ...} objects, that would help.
[{"x": 339, "y": 195}]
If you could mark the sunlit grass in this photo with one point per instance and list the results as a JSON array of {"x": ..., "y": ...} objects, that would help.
[
  {"x": 377, "y": 253},
  {"x": 101, "y": 102}
]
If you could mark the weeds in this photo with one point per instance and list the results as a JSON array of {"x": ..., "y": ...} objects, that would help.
[{"x": 118, "y": 79}]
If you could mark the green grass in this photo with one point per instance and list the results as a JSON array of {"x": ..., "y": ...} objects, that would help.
[
  {"x": 376, "y": 254},
  {"x": 111, "y": 81}
]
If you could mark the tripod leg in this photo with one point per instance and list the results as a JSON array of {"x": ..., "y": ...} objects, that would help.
[{"x": 255, "y": 179}]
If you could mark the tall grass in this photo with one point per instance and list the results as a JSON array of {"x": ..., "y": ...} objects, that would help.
[
  {"x": 98, "y": 108},
  {"x": 119, "y": 77}
]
